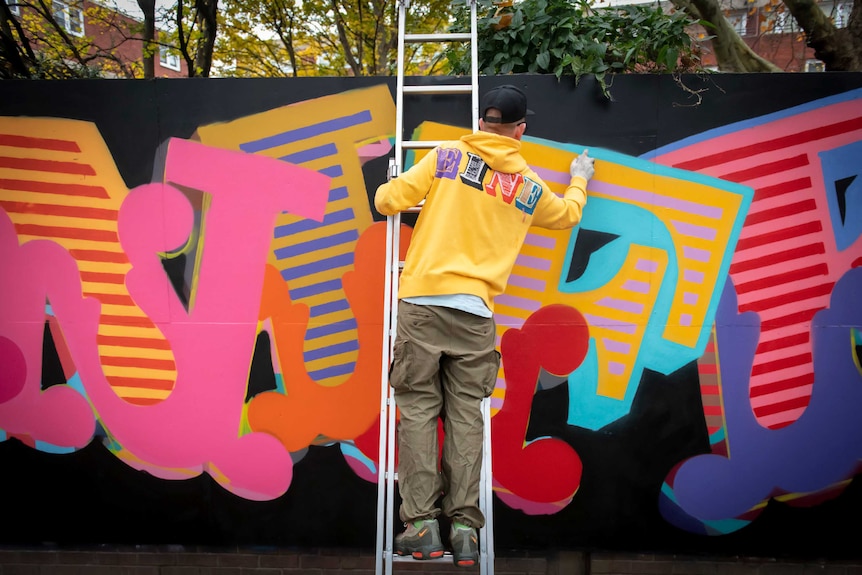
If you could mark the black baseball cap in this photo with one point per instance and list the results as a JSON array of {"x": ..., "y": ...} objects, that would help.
[{"x": 511, "y": 102}]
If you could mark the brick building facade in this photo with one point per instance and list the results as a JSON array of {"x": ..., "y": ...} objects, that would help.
[
  {"x": 99, "y": 28},
  {"x": 769, "y": 29},
  {"x": 182, "y": 561}
]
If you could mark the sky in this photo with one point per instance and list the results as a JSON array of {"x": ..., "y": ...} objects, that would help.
[{"x": 130, "y": 7}]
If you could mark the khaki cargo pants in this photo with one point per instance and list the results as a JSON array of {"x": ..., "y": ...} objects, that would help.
[{"x": 444, "y": 364}]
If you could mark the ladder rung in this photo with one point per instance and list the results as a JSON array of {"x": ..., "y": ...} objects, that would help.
[
  {"x": 420, "y": 144},
  {"x": 460, "y": 37},
  {"x": 439, "y": 89}
]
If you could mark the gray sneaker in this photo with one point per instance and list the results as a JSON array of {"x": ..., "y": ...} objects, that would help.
[
  {"x": 421, "y": 540},
  {"x": 465, "y": 546}
]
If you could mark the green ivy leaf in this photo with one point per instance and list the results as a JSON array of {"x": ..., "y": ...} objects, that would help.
[
  {"x": 671, "y": 58},
  {"x": 543, "y": 60},
  {"x": 572, "y": 37}
]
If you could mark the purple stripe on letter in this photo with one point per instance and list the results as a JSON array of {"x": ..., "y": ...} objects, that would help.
[
  {"x": 647, "y": 266},
  {"x": 616, "y": 367},
  {"x": 636, "y": 286},
  {"x": 517, "y": 302},
  {"x": 693, "y": 276},
  {"x": 616, "y": 346},
  {"x": 695, "y": 254},
  {"x": 532, "y": 262},
  {"x": 540, "y": 241},
  {"x": 656, "y": 200},
  {"x": 621, "y": 304},
  {"x": 553, "y": 175},
  {"x": 695, "y": 231},
  {"x": 528, "y": 283},
  {"x": 690, "y": 298}
]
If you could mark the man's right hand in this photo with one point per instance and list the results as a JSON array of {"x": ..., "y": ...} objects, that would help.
[{"x": 583, "y": 166}]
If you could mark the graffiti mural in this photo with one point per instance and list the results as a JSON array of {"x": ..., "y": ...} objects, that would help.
[
  {"x": 800, "y": 239},
  {"x": 683, "y": 364}
]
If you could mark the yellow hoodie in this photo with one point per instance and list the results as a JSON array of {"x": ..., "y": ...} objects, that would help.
[{"x": 480, "y": 200}]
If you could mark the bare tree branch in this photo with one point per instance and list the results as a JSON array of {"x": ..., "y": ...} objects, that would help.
[
  {"x": 731, "y": 52},
  {"x": 839, "y": 48}
]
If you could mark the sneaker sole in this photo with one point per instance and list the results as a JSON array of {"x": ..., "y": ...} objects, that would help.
[{"x": 423, "y": 556}]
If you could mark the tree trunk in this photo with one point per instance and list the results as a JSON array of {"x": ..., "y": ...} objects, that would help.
[
  {"x": 11, "y": 54},
  {"x": 839, "y": 48},
  {"x": 731, "y": 52},
  {"x": 148, "y": 7},
  {"x": 283, "y": 20},
  {"x": 355, "y": 65},
  {"x": 387, "y": 35},
  {"x": 207, "y": 11}
]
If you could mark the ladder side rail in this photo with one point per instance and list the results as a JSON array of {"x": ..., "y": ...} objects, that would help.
[
  {"x": 390, "y": 465},
  {"x": 386, "y": 453},
  {"x": 474, "y": 62},
  {"x": 486, "y": 497},
  {"x": 384, "y": 397},
  {"x": 486, "y": 492},
  {"x": 399, "y": 89},
  {"x": 393, "y": 268}
]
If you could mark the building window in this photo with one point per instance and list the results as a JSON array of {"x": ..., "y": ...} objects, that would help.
[
  {"x": 779, "y": 23},
  {"x": 739, "y": 22},
  {"x": 783, "y": 22},
  {"x": 69, "y": 16},
  {"x": 168, "y": 59},
  {"x": 842, "y": 14},
  {"x": 838, "y": 12},
  {"x": 814, "y": 66}
]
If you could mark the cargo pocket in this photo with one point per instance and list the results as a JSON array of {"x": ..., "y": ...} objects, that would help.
[
  {"x": 402, "y": 361},
  {"x": 493, "y": 367}
]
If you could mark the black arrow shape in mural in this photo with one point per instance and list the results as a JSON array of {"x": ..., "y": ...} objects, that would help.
[
  {"x": 588, "y": 242},
  {"x": 841, "y": 187}
]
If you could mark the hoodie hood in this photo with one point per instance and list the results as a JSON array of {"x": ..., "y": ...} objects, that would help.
[{"x": 501, "y": 153}]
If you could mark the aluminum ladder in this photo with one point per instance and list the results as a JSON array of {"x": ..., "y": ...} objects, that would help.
[{"x": 386, "y": 475}]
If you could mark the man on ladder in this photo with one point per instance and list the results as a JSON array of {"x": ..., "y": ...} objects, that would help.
[{"x": 480, "y": 198}]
